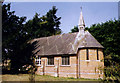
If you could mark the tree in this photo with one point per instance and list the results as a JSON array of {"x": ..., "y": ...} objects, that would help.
[
  {"x": 53, "y": 21},
  {"x": 44, "y": 26},
  {"x": 75, "y": 29},
  {"x": 108, "y": 35},
  {"x": 16, "y": 35},
  {"x": 11, "y": 32}
]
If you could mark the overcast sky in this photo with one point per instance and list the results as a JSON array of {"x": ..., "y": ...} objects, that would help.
[{"x": 93, "y": 12}]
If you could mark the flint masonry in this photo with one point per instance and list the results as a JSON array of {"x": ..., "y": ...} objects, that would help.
[{"x": 75, "y": 55}]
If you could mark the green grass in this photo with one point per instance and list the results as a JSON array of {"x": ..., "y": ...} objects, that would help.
[{"x": 25, "y": 77}]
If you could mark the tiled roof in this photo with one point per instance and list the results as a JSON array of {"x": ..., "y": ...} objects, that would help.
[{"x": 64, "y": 44}]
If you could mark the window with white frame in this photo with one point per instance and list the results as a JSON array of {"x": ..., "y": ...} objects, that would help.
[{"x": 38, "y": 60}]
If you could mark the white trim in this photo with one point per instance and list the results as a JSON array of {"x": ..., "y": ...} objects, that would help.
[
  {"x": 89, "y": 70},
  {"x": 90, "y": 60},
  {"x": 49, "y": 72},
  {"x": 38, "y": 65},
  {"x": 50, "y": 65},
  {"x": 90, "y": 73},
  {"x": 65, "y": 65},
  {"x": 87, "y": 60},
  {"x": 89, "y": 65},
  {"x": 66, "y": 73},
  {"x": 70, "y": 73}
]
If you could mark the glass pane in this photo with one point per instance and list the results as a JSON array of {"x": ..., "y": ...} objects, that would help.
[
  {"x": 97, "y": 55},
  {"x": 48, "y": 61},
  {"x": 65, "y": 60},
  {"x": 68, "y": 61},
  {"x": 51, "y": 61},
  {"x": 87, "y": 54}
]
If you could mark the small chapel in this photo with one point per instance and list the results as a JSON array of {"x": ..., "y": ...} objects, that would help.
[{"x": 77, "y": 55}]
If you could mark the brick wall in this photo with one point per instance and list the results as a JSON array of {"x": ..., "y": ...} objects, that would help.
[
  {"x": 91, "y": 68},
  {"x": 79, "y": 66},
  {"x": 55, "y": 70}
]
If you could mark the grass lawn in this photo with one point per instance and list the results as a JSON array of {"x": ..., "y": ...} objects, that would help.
[{"x": 25, "y": 77}]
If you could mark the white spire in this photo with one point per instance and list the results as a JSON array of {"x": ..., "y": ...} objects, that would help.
[{"x": 81, "y": 24}]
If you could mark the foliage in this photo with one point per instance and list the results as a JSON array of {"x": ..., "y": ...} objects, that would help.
[
  {"x": 12, "y": 31},
  {"x": 108, "y": 35},
  {"x": 44, "y": 26},
  {"x": 112, "y": 72},
  {"x": 16, "y": 33},
  {"x": 75, "y": 29}
]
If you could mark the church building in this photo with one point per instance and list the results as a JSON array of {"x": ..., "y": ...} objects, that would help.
[{"x": 75, "y": 55}]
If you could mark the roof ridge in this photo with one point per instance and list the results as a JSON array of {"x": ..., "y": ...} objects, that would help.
[{"x": 54, "y": 35}]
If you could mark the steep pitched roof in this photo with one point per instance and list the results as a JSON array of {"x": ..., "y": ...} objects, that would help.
[{"x": 64, "y": 44}]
